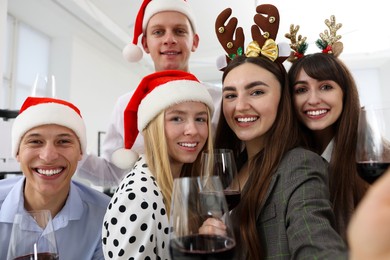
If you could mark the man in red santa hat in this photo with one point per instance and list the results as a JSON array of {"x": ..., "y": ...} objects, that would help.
[{"x": 168, "y": 33}]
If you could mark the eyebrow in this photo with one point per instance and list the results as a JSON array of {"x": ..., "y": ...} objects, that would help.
[
  {"x": 60, "y": 135},
  {"x": 160, "y": 25},
  {"x": 300, "y": 82},
  {"x": 249, "y": 86},
  {"x": 180, "y": 112}
]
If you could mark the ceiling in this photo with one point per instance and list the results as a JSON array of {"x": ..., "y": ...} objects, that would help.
[{"x": 364, "y": 42}]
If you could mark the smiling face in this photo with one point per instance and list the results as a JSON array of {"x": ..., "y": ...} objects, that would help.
[
  {"x": 186, "y": 131},
  {"x": 251, "y": 97},
  {"x": 48, "y": 156},
  {"x": 318, "y": 103},
  {"x": 170, "y": 40}
]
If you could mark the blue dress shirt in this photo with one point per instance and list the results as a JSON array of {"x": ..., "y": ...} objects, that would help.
[{"x": 77, "y": 226}]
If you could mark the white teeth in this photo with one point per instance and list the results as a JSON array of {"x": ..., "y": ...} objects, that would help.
[
  {"x": 316, "y": 113},
  {"x": 170, "y": 53},
  {"x": 190, "y": 145},
  {"x": 49, "y": 172},
  {"x": 246, "y": 119}
]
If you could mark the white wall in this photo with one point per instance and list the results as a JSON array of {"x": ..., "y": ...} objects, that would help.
[
  {"x": 385, "y": 81},
  {"x": 368, "y": 83},
  {"x": 3, "y": 28},
  {"x": 91, "y": 72},
  {"x": 96, "y": 81}
]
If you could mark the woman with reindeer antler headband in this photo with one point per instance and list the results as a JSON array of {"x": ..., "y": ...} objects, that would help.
[
  {"x": 326, "y": 102},
  {"x": 285, "y": 211}
]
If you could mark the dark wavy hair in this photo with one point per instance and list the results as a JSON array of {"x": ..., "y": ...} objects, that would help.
[
  {"x": 282, "y": 137},
  {"x": 346, "y": 188}
]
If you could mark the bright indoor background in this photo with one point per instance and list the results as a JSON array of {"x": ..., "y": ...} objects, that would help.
[{"x": 80, "y": 43}]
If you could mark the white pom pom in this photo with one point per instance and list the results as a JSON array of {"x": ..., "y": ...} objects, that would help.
[
  {"x": 284, "y": 49},
  {"x": 124, "y": 158},
  {"x": 221, "y": 62},
  {"x": 132, "y": 53}
]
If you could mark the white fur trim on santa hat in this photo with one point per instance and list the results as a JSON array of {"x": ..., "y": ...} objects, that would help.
[
  {"x": 157, "y": 6},
  {"x": 169, "y": 94},
  {"x": 45, "y": 114},
  {"x": 124, "y": 158},
  {"x": 132, "y": 53}
]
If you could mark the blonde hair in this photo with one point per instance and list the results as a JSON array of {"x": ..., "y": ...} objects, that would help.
[{"x": 156, "y": 151}]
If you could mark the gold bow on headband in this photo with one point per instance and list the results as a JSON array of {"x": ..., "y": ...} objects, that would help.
[{"x": 269, "y": 49}]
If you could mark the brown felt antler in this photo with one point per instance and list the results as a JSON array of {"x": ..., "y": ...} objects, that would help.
[
  {"x": 264, "y": 33},
  {"x": 267, "y": 19},
  {"x": 266, "y": 26},
  {"x": 225, "y": 33}
]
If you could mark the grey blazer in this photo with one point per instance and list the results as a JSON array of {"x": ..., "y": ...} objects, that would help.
[{"x": 297, "y": 219}]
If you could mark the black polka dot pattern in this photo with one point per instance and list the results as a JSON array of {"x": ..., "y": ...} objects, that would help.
[{"x": 135, "y": 225}]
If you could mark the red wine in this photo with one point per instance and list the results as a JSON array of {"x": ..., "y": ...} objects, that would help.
[
  {"x": 41, "y": 256},
  {"x": 371, "y": 171},
  {"x": 202, "y": 247},
  {"x": 232, "y": 198},
  {"x": 211, "y": 201}
]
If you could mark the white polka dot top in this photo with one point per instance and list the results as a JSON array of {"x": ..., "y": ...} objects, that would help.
[{"x": 136, "y": 224}]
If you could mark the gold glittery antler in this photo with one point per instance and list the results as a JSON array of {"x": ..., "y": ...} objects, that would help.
[
  {"x": 298, "y": 45},
  {"x": 329, "y": 42},
  {"x": 226, "y": 33}
]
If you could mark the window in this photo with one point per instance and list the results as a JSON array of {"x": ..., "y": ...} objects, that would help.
[{"x": 27, "y": 55}]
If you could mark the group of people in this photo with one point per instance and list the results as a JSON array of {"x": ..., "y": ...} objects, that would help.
[{"x": 293, "y": 135}]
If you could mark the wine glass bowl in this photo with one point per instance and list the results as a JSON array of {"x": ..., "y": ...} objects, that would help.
[
  {"x": 373, "y": 143},
  {"x": 220, "y": 162},
  {"x": 44, "y": 86},
  {"x": 32, "y": 237},
  {"x": 194, "y": 201}
]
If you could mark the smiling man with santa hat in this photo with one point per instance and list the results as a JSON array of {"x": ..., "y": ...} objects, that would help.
[
  {"x": 48, "y": 140},
  {"x": 167, "y": 32}
]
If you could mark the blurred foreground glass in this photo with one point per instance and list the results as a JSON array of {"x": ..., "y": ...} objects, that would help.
[
  {"x": 32, "y": 237},
  {"x": 373, "y": 143},
  {"x": 220, "y": 162},
  {"x": 194, "y": 200}
]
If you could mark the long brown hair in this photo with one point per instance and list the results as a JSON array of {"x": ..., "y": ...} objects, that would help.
[
  {"x": 282, "y": 137},
  {"x": 156, "y": 151},
  {"x": 346, "y": 188}
]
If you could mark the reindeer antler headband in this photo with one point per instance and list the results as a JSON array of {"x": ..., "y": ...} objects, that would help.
[
  {"x": 329, "y": 40},
  {"x": 264, "y": 33}
]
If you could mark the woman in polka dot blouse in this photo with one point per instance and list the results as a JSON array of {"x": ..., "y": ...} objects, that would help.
[{"x": 173, "y": 111}]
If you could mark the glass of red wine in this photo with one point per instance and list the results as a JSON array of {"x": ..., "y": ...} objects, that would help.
[
  {"x": 196, "y": 200},
  {"x": 32, "y": 237},
  {"x": 373, "y": 143},
  {"x": 220, "y": 162}
]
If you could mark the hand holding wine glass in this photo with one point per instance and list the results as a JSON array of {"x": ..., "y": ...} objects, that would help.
[
  {"x": 33, "y": 237},
  {"x": 373, "y": 143},
  {"x": 194, "y": 201},
  {"x": 220, "y": 162}
]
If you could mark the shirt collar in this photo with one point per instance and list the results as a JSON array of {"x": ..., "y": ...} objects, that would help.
[
  {"x": 327, "y": 154},
  {"x": 14, "y": 197},
  {"x": 72, "y": 210}
]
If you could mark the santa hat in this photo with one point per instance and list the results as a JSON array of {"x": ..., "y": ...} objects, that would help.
[
  {"x": 37, "y": 111},
  {"x": 132, "y": 52},
  {"x": 155, "y": 93}
]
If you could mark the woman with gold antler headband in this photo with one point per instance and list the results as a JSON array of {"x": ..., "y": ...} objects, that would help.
[
  {"x": 285, "y": 211},
  {"x": 327, "y": 105}
]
